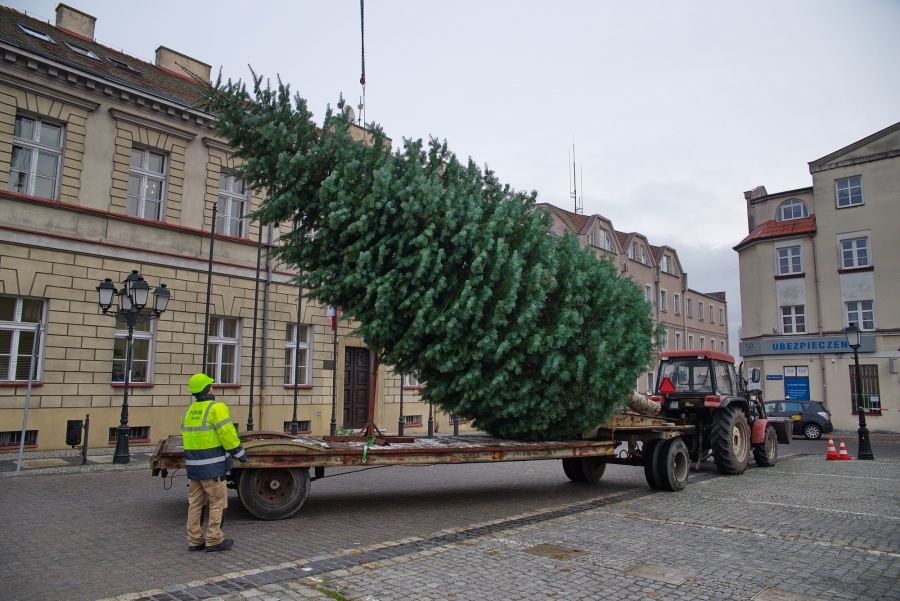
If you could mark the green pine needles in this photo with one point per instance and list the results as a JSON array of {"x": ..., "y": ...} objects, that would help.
[{"x": 452, "y": 274}]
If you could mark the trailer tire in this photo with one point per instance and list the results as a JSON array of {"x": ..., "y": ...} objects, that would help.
[
  {"x": 730, "y": 440},
  {"x": 673, "y": 464},
  {"x": 273, "y": 493},
  {"x": 651, "y": 450},
  {"x": 766, "y": 452},
  {"x": 584, "y": 469}
]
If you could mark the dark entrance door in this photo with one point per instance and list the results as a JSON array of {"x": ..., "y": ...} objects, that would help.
[{"x": 357, "y": 377}]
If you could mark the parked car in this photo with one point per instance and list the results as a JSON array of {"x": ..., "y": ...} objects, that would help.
[{"x": 811, "y": 418}]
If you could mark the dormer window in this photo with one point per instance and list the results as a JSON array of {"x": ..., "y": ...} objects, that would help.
[
  {"x": 792, "y": 209},
  {"x": 82, "y": 51},
  {"x": 123, "y": 66},
  {"x": 36, "y": 34}
]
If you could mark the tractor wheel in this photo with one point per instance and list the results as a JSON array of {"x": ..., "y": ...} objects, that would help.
[
  {"x": 273, "y": 493},
  {"x": 584, "y": 469},
  {"x": 651, "y": 450},
  {"x": 766, "y": 452},
  {"x": 672, "y": 465},
  {"x": 730, "y": 438}
]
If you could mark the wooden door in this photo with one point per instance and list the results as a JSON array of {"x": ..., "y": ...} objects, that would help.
[{"x": 357, "y": 378}]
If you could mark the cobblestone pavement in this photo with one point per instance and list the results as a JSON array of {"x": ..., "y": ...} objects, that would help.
[{"x": 805, "y": 529}]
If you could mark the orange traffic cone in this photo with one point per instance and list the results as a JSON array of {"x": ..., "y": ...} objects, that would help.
[
  {"x": 844, "y": 456},
  {"x": 832, "y": 454}
]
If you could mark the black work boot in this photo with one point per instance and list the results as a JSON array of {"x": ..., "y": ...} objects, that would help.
[{"x": 223, "y": 546}]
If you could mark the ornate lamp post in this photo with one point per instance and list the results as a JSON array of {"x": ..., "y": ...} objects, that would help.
[
  {"x": 133, "y": 298},
  {"x": 865, "y": 447}
]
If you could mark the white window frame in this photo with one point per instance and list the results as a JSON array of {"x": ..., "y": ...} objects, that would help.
[
  {"x": 793, "y": 319},
  {"x": 702, "y": 343},
  {"x": 605, "y": 240},
  {"x": 215, "y": 351},
  {"x": 795, "y": 206},
  {"x": 848, "y": 192},
  {"x": 304, "y": 368},
  {"x": 664, "y": 343},
  {"x": 136, "y": 205},
  {"x": 712, "y": 313},
  {"x": 689, "y": 306},
  {"x": 648, "y": 293},
  {"x": 722, "y": 315},
  {"x": 690, "y": 342},
  {"x": 712, "y": 344},
  {"x": 678, "y": 341},
  {"x": 722, "y": 343},
  {"x": 663, "y": 300},
  {"x": 139, "y": 357},
  {"x": 16, "y": 328},
  {"x": 700, "y": 314},
  {"x": 644, "y": 259},
  {"x": 849, "y": 248},
  {"x": 676, "y": 304},
  {"x": 789, "y": 259},
  {"x": 27, "y": 181},
  {"x": 591, "y": 238},
  {"x": 231, "y": 216},
  {"x": 411, "y": 380},
  {"x": 860, "y": 312}
]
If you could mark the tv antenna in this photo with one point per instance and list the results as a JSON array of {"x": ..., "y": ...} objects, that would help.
[{"x": 573, "y": 186}]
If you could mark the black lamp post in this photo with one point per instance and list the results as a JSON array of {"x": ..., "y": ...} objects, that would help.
[
  {"x": 133, "y": 298},
  {"x": 865, "y": 447}
]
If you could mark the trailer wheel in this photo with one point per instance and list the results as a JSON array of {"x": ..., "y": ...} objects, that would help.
[
  {"x": 730, "y": 438},
  {"x": 673, "y": 464},
  {"x": 766, "y": 452},
  {"x": 584, "y": 469},
  {"x": 273, "y": 493},
  {"x": 651, "y": 450}
]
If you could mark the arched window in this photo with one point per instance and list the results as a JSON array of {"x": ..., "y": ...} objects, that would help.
[{"x": 792, "y": 209}]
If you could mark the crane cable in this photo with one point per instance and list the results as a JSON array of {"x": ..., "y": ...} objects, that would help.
[{"x": 362, "y": 78}]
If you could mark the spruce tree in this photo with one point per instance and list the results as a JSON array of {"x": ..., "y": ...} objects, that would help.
[{"x": 449, "y": 272}]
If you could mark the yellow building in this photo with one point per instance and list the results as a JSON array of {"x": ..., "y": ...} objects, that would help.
[
  {"x": 107, "y": 166},
  {"x": 816, "y": 260}
]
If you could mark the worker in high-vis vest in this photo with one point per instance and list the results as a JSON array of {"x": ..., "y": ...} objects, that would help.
[{"x": 210, "y": 440}]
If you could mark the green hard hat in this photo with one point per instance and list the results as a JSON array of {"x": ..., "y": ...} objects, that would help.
[{"x": 199, "y": 382}]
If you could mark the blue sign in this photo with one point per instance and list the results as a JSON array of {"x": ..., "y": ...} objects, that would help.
[
  {"x": 777, "y": 377},
  {"x": 802, "y": 345},
  {"x": 796, "y": 388}
]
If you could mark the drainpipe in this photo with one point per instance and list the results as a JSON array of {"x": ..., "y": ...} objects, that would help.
[{"x": 819, "y": 316}]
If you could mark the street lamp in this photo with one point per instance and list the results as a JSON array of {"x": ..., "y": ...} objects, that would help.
[
  {"x": 133, "y": 298},
  {"x": 865, "y": 447}
]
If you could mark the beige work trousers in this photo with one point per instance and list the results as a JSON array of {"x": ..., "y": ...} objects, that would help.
[{"x": 201, "y": 492}]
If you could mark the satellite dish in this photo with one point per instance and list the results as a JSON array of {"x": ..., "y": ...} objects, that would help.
[{"x": 348, "y": 111}]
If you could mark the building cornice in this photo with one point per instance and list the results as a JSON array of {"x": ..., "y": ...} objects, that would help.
[
  {"x": 156, "y": 126},
  {"x": 42, "y": 90}
]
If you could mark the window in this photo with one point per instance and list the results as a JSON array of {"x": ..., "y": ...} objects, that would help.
[
  {"x": 605, "y": 240},
  {"x": 676, "y": 302},
  {"x": 712, "y": 344},
  {"x": 871, "y": 396},
  {"x": 792, "y": 209},
  {"x": 690, "y": 342},
  {"x": 644, "y": 258},
  {"x": 664, "y": 339},
  {"x": 665, "y": 264},
  {"x": 290, "y": 355},
  {"x": 411, "y": 380},
  {"x": 725, "y": 377},
  {"x": 141, "y": 353},
  {"x": 146, "y": 184},
  {"x": 82, "y": 51},
  {"x": 689, "y": 306},
  {"x": 415, "y": 420},
  {"x": 648, "y": 293},
  {"x": 861, "y": 313},
  {"x": 36, "y": 34},
  {"x": 702, "y": 343},
  {"x": 18, "y": 320},
  {"x": 712, "y": 312},
  {"x": 232, "y": 212},
  {"x": 36, "y": 157},
  {"x": 663, "y": 301},
  {"x": 855, "y": 253},
  {"x": 700, "y": 310},
  {"x": 649, "y": 382},
  {"x": 222, "y": 352},
  {"x": 303, "y": 426},
  {"x": 124, "y": 66},
  {"x": 789, "y": 261},
  {"x": 591, "y": 238},
  {"x": 722, "y": 347},
  {"x": 793, "y": 319},
  {"x": 141, "y": 433},
  {"x": 678, "y": 346},
  {"x": 14, "y": 438},
  {"x": 722, "y": 315},
  {"x": 849, "y": 191},
  {"x": 632, "y": 251}
]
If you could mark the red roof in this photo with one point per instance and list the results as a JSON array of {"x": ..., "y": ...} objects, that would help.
[{"x": 779, "y": 229}]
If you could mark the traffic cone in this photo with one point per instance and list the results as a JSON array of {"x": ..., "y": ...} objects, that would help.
[
  {"x": 844, "y": 456},
  {"x": 832, "y": 454}
]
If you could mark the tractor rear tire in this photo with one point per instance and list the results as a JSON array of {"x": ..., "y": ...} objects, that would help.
[
  {"x": 651, "y": 450},
  {"x": 766, "y": 452},
  {"x": 730, "y": 441},
  {"x": 673, "y": 465},
  {"x": 584, "y": 469}
]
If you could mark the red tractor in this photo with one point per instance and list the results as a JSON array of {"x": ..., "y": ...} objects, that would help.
[{"x": 703, "y": 388}]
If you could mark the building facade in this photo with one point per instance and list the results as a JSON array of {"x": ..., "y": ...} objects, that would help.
[
  {"x": 688, "y": 319},
  {"x": 107, "y": 166},
  {"x": 816, "y": 260}
]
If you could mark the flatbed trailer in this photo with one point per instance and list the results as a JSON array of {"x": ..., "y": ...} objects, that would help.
[{"x": 274, "y": 482}]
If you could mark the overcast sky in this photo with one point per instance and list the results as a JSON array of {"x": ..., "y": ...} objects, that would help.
[{"x": 674, "y": 108}]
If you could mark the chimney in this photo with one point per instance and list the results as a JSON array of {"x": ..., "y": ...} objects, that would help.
[
  {"x": 75, "y": 21},
  {"x": 181, "y": 64}
]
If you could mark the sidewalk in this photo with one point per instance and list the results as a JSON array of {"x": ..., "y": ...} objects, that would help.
[{"x": 71, "y": 461}]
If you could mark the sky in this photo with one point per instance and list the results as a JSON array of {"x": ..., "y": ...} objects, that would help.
[{"x": 673, "y": 108}]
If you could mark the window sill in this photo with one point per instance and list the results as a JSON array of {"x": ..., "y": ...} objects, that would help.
[
  {"x": 416, "y": 425},
  {"x": 870, "y": 412},
  {"x": 20, "y": 384},
  {"x": 855, "y": 269},
  {"x": 132, "y": 384},
  {"x": 226, "y": 386},
  {"x": 301, "y": 387},
  {"x": 413, "y": 388},
  {"x": 790, "y": 276},
  {"x": 132, "y": 440},
  {"x": 16, "y": 447}
]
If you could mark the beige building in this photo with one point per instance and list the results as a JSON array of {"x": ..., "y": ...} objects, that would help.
[
  {"x": 107, "y": 166},
  {"x": 690, "y": 319},
  {"x": 817, "y": 259}
]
